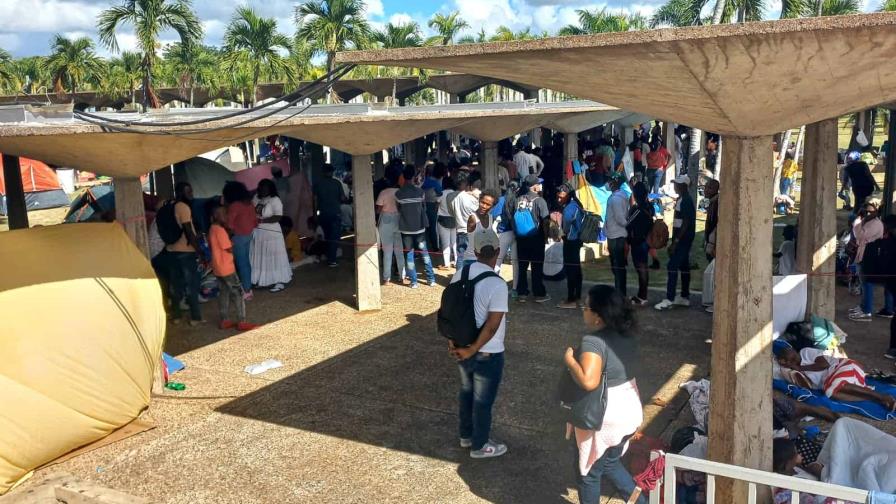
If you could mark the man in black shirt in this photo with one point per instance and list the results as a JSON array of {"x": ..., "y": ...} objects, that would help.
[
  {"x": 859, "y": 174},
  {"x": 328, "y": 199}
]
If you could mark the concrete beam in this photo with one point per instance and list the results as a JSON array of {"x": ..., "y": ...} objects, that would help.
[
  {"x": 16, "y": 208},
  {"x": 817, "y": 244},
  {"x": 740, "y": 423},
  {"x": 489, "y": 166},
  {"x": 129, "y": 210},
  {"x": 367, "y": 261}
]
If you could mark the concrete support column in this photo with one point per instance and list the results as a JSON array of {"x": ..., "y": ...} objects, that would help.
[
  {"x": 379, "y": 166},
  {"x": 628, "y": 135},
  {"x": 164, "y": 181},
  {"x": 490, "y": 165},
  {"x": 410, "y": 151},
  {"x": 817, "y": 245},
  {"x": 740, "y": 422},
  {"x": 570, "y": 148},
  {"x": 316, "y": 152},
  {"x": 367, "y": 262},
  {"x": 890, "y": 170},
  {"x": 16, "y": 208},
  {"x": 453, "y": 135},
  {"x": 129, "y": 210},
  {"x": 671, "y": 146},
  {"x": 421, "y": 146},
  {"x": 443, "y": 142}
]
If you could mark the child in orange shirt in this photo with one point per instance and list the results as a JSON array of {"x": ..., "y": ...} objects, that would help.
[{"x": 224, "y": 269}]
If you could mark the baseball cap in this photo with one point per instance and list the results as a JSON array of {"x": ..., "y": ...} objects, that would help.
[
  {"x": 682, "y": 179},
  {"x": 565, "y": 187},
  {"x": 618, "y": 177},
  {"x": 532, "y": 180},
  {"x": 485, "y": 238}
]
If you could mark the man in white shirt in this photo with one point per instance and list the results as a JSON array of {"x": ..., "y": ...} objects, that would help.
[
  {"x": 482, "y": 363},
  {"x": 615, "y": 229},
  {"x": 462, "y": 207}
]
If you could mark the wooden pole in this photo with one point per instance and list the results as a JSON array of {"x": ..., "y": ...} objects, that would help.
[
  {"x": 129, "y": 210},
  {"x": 16, "y": 208},
  {"x": 740, "y": 423},
  {"x": 817, "y": 241},
  {"x": 367, "y": 263},
  {"x": 490, "y": 165},
  {"x": 570, "y": 148}
]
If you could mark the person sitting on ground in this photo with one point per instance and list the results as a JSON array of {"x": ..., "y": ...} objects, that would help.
[
  {"x": 786, "y": 254},
  {"x": 841, "y": 379},
  {"x": 224, "y": 268},
  {"x": 317, "y": 246},
  {"x": 293, "y": 242}
]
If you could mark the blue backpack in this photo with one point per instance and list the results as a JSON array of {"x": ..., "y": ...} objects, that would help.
[{"x": 524, "y": 222}]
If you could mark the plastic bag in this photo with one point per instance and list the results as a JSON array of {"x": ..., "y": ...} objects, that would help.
[{"x": 861, "y": 139}]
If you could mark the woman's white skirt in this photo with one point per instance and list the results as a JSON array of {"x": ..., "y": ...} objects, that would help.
[{"x": 270, "y": 264}]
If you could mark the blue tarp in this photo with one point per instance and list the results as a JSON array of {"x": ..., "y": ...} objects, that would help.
[{"x": 869, "y": 409}]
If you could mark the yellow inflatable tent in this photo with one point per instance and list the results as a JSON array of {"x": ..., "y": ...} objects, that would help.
[{"x": 83, "y": 325}]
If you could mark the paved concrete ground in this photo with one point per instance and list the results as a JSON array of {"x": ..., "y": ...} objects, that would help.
[{"x": 364, "y": 408}]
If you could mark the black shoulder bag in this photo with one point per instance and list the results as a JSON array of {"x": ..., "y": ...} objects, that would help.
[{"x": 584, "y": 409}]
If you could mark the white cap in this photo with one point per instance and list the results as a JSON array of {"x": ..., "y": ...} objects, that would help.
[
  {"x": 682, "y": 179},
  {"x": 485, "y": 238}
]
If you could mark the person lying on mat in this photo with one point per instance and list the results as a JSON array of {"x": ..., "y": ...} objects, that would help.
[{"x": 840, "y": 379}]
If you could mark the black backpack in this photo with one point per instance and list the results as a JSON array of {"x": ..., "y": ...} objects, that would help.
[
  {"x": 456, "y": 319},
  {"x": 166, "y": 222}
]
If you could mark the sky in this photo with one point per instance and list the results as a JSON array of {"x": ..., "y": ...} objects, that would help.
[{"x": 26, "y": 26}]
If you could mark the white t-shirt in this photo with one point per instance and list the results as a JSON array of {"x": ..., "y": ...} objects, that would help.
[
  {"x": 787, "y": 261},
  {"x": 817, "y": 378},
  {"x": 270, "y": 207},
  {"x": 463, "y": 206},
  {"x": 490, "y": 295},
  {"x": 470, "y": 253},
  {"x": 444, "y": 211}
]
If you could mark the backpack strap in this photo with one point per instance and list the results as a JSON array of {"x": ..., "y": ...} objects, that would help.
[{"x": 469, "y": 284}]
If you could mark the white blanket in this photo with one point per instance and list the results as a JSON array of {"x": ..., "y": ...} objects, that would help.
[{"x": 858, "y": 455}]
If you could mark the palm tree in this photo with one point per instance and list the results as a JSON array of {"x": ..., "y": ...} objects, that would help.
[
  {"x": 149, "y": 18},
  {"x": 8, "y": 80},
  {"x": 254, "y": 40},
  {"x": 831, "y": 7},
  {"x": 888, "y": 6},
  {"x": 447, "y": 27},
  {"x": 396, "y": 36},
  {"x": 330, "y": 26},
  {"x": 123, "y": 76},
  {"x": 505, "y": 34},
  {"x": 73, "y": 63},
  {"x": 301, "y": 66},
  {"x": 193, "y": 65},
  {"x": 31, "y": 74},
  {"x": 601, "y": 21},
  {"x": 470, "y": 39}
]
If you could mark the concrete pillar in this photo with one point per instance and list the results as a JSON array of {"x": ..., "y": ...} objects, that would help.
[
  {"x": 671, "y": 146},
  {"x": 890, "y": 169},
  {"x": 129, "y": 210},
  {"x": 740, "y": 423},
  {"x": 367, "y": 262},
  {"x": 421, "y": 148},
  {"x": 410, "y": 151},
  {"x": 316, "y": 152},
  {"x": 570, "y": 148},
  {"x": 164, "y": 181},
  {"x": 817, "y": 244},
  {"x": 628, "y": 135},
  {"x": 453, "y": 135},
  {"x": 490, "y": 165},
  {"x": 443, "y": 142},
  {"x": 16, "y": 208}
]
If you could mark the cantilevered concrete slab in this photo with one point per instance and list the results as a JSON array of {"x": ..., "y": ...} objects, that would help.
[
  {"x": 583, "y": 122},
  {"x": 355, "y": 129},
  {"x": 737, "y": 79},
  {"x": 530, "y": 115}
]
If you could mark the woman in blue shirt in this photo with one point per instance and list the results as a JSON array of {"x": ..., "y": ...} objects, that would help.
[{"x": 573, "y": 216}]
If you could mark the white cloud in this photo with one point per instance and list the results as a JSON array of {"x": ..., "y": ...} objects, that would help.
[
  {"x": 47, "y": 15},
  {"x": 375, "y": 8},
  {"x": 400, "y": 18}
]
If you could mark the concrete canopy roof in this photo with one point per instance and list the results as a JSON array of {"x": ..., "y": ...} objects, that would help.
[
  {"x": 533, "y": 115},
  {"x": 355, "y": 129},
  {"x": 737, "y": 79},
  {"x": 583, "y": 122}
]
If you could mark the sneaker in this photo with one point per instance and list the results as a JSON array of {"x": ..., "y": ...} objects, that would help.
[
  {"x": 856, "y": 309},
  {"x": 885, "y": 314},
  {"x": 432, "y": 283},
  {"x": 664, "y": 305},
  {"x": 277, "y": 288},
  {"x": 385, "y": 282},
  {"x": 521, "y": 299},
  {"x": 710, "y": 309},
  {"x": 414, "y": 286},
  {"x": 202, "y": 299},
  {"x": 248, "y": 296},
  {"x": 681, "y": 301},
  {"x": 489, "y": 450},
  {"x": 542, "y": 299},
  {"x": 638, "y": 301},
  {"x": 466, "y": 442},
  {"x": 246, "y": 326},
  {"x": 860, "y": 317},
  {"x": 226, "y": 324},
  {"x": 568, "y": 305},
  {"x": 175, "y": 321},
  {"x": 333, "y": 265},
  {"x": 194, "y": 323},
  {"x": 891, "y": 354}
]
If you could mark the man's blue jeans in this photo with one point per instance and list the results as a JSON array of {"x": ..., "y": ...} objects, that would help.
[
  {"x": 680, "y": 260},
  {"x": 332, "y": 228},
  {"x": 609, "y": 466},
  {"x": 185, "y": 282},
  {"x": 868, "y": 296},
  {"x": 786, "y": 184},
  {"x": 412, "y": 242},
  {"x": 480, "y": 376},
  {"x": 242, "y": 245}
]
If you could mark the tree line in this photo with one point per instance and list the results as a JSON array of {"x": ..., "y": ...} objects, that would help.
[{"x": 254, "y": 50}]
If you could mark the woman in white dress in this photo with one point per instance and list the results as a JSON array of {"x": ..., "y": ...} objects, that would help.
[{"x": 270, "y": 264}]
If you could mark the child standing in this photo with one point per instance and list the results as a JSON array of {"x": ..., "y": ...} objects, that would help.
[{"x": 225, "y": 271}]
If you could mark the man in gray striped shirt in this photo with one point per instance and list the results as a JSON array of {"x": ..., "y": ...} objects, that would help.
[{"x": 412, "y": 224}]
